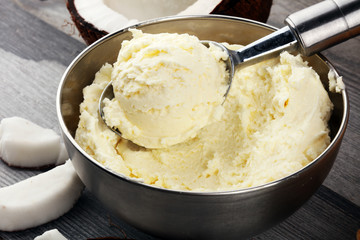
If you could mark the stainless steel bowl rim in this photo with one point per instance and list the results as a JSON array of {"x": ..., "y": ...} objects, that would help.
[{"x": 340, "y": 132}]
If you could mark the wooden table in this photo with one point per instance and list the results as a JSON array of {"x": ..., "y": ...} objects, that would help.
[{"x": 38, "y": 41}]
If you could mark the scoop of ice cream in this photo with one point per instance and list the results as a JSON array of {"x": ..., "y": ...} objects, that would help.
[{"x": 166, "y": 87}]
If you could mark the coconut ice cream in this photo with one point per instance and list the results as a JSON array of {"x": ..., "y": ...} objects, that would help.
[
  {"x": 167, "y": 87},
  {"x": 274, "y": 123}
]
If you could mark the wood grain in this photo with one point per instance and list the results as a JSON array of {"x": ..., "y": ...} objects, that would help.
[{"x": 35, "y": 48}]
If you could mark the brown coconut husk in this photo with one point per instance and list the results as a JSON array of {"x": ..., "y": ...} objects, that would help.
[{"x": 257, "y": 10}]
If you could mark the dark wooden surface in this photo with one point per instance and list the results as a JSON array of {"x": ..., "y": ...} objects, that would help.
[{"x": 38, "y": 41}]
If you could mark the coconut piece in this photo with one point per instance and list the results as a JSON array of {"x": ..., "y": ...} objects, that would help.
[
  {"x": 87, "y": 30},
  {"x": 53, "y": 234},
  {"x": 63, "y": 155},
  {"x": 257, "y": 10},
  {"x": 39, "y": 199},
  {"x": 96, "y": 18},
  {"x": 27, "y": 145}
]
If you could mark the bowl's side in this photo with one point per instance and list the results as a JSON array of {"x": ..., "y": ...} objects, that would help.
[
  {"x": 176, "y": 215},
  {"x": 172, "y": 214}
]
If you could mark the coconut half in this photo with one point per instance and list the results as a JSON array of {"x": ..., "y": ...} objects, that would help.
[{"x": 96, "y": 18}]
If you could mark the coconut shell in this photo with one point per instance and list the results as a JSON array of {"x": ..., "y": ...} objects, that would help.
[
  {"x": 257, "y": 10},
  {"x": 87, "y": 30}
]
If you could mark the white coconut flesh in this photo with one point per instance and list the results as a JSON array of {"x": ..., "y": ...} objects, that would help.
[
  {"x": 112, "y": 15},
  {"x": 39, "y": 199},
  {"x": 28, "y": 145},
  {"x": 52, "y": 234}
]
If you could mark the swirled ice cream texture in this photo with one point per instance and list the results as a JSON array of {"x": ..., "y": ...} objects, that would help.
[
  {"x": 167, "y": 87},
  {"x": 274, "y": 123}
]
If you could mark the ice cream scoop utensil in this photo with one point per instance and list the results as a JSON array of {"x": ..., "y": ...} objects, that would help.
[
  {"x": 308, "y": 31},
  {"x": 262, "y": 49}
]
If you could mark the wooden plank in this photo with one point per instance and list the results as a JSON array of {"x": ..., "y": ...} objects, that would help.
[
  {"x": 52, "y": 12},
  {"x": 30, "y": 38},
  {"x": 326, "y": 215}
]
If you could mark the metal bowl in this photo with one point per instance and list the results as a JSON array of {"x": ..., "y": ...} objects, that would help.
[{"x": 192, "y": 215}]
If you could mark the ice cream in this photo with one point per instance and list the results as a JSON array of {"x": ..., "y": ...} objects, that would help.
[
  {"x": 166, "y": 87},
  {"x": 274, "y": 123}
]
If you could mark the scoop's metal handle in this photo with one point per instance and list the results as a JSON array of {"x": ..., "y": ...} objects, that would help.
[
  {"x": 309, "y": 31},
  {"x": 325, "y": 24},
  {"x": 264, "y": 48}
]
